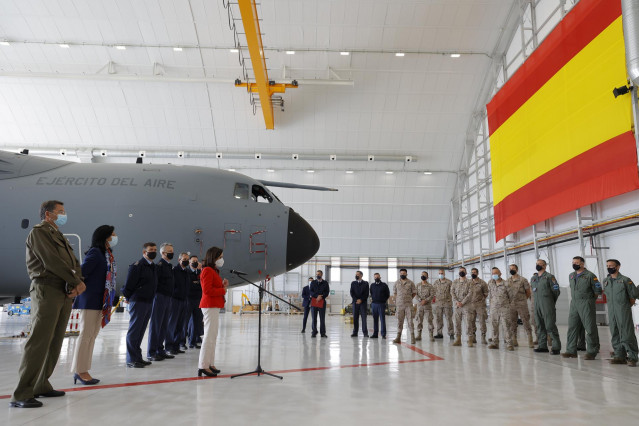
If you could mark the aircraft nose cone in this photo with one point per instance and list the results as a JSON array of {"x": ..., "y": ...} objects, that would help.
[{"x": 302, "y": 242}]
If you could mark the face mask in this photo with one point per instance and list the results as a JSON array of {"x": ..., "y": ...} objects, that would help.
[
  {"x": 612, "y": 270},
  {"x": 377, "y": 280},
  {"x": 403, "y": 277},
  {"x": 319, "y": 277},
  {"x": 219, "y": 263},
  {"x": 539, "y": 267},
  {"x": 151, "y": 254},
  {"x": 495, "y": 277},
  {"x": 114, "y": 241},
  {"x": 576, "y": 267},
  {"x": 358, "y": 277},
  {"x": 185, "y": 263},
  {"x": 462, "y": 274},
  {"x": 169, "y": 256},
  {"x": 513, "y": 272},
  {"x": 473, "y": 276},
  {"x": 424, "y": 277},
  {"x": 61, "y": 220},
  {"x": 194, "y": 265},
  {"x": 441, "y": 276}
]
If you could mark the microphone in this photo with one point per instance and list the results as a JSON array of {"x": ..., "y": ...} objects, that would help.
[{"x": 234, "y": 271}]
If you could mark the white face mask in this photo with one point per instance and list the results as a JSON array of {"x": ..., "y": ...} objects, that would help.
[
  {"x": 441, "y": 276},
  {"x": 114, "y": 241},
  {"x": 219, "y": 263}
]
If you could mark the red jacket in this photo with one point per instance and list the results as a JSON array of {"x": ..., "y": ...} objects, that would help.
[{"x": 213, "y": 290}]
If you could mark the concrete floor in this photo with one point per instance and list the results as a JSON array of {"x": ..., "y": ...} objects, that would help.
[{"x": 334, "y": 381}]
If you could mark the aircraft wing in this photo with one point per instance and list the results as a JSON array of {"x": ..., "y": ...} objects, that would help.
[{"x": 295, "y": 186}]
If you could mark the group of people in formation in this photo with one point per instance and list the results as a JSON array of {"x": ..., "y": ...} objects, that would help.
[{"x": 510, "y": 298}]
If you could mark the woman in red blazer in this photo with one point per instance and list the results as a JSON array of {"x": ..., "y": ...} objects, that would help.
[{"x": 213, "y": 292}]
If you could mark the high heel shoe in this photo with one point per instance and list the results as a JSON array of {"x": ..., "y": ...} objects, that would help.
[
  {"x": 215, "y": 370},
  {"x": 77, "y": 377},
  {"x": 201, "y": 371}
]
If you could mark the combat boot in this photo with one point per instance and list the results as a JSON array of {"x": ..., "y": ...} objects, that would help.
[
  {"x": 398, "y": 339},
  {"x": 531, "y": 344},
  {"x": 618, "y": 361},
  {"x": 510, "y": 348},
  {"x": 483, "y": 339},
  {"x": 457, "y": 341},
  {"x": 632, "y": 363},
  {"x": 474, "y": 339},
  {"x": 432, "y": 338},
  {"x": 412, "y": 338},
  {"x": 515, "y": 342},
  {"x": 419, "y": 336},
  {"x": 493, "y": 345},
  {"x": 470, "y": 342}
]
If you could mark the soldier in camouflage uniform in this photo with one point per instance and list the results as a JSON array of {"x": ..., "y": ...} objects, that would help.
[
  {"x": 546, "y": 291},
  {"x": 500, "y": 309},
  {"x": 443, "y": 305},
  {"x": 621, "y": 294},
  {"x": 519, "y": 292},
  {"x": 480, "y": 293},
  {"x": 404, "y": 291},
  {"x": 425, "y": 293},
  {"x": 462, "y": 294}
]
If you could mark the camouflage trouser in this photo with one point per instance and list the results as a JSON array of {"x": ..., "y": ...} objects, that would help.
[
  {"x": 520, "y": 309},
  {"x": 421, "y": 311},
  {"x": 469, "y": 312},
  {"x": 404, "y": 312},
  {"x": 531, "y": 313},
  {"x": 503, "y": 314},
  {"x": 482, "y": 315},
  {"x": 439, "y": 315}
]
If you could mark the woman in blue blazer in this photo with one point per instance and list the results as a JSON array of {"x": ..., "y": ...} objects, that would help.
[{"x": 96, "y": 302}]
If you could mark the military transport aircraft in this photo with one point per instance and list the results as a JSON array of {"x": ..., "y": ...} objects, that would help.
[{"x": 193, "y": 208}]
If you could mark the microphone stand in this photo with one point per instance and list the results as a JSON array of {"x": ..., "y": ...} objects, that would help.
[{"x": 258, "y": 370}]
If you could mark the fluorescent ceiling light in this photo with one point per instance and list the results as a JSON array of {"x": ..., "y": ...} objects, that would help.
[
  {"x": 64, "y": 46},
  {"x": 428, "y": 173},
  {"x": 4, "y": 43},
  {"x": 310, "y": 171},
  {"x": 349, "y": 172},
  {"x": 344, "y": 53},
  {"x": 231, "y": 170},
  {"x": 389, "y": 173},
  {"x": 234, "y": 50},
  {"x": 177, "y": 49},
  {"x": 290, "y": 52},
  {"x": 120, "y": 47},
  {"x": 270, "y": 170},
  {"x": 455, "y": 55},
  {"x": 399, "y": 54}
]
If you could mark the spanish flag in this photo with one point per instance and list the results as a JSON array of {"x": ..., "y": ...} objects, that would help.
[{"x": 559, "y": 140}]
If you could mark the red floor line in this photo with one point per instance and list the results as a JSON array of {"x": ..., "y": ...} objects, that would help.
[{"x": 430, "y": 357}]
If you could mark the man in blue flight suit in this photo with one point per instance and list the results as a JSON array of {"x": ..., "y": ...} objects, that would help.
[
  {"x": 196, "y": 319},
  {"x": 359, "y": 293},
  {"x": 306, "y": 302},
  {"x": 380, "y": 293},
  {"x": 139, "y": 290},
  {"x": 161, "y": 306},
  {"x": 177, "y": 317},
  {"x": 319, "y": 290}
]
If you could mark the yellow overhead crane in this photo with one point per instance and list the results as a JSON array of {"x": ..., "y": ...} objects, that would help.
[{"x": 262, "y": 85}]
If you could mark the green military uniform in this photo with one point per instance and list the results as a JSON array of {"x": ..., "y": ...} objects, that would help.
[
  {"x": 584, "y": 289},
  {"x": 546, "y": 292},
  {"x": 51, "y": 265},
  {"x": 619, "y": 292}
]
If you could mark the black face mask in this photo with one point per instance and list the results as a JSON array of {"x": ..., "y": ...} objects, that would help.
[
  {"x": 612, "y": 270},
  {"x": 319, "y": 277},
  {"x": 151, "y": 254},
  {"x": 513, "y": 272},
  {"x": 462, "y": 274},
  {"x": 473, "y": 276},
  {"x": 403, "y": 277},
  {"x": 185, "y": 263},
  {"x": 169, "y": 256},
  {"x": 377, "y": 280},
  {"x": 358, "y": 278},
  {"x": 424, "y": 277},
  {"x": 576, "y": 267},
  {"x": 194, "y": 265},
  {"x": 539, "y": 267}
]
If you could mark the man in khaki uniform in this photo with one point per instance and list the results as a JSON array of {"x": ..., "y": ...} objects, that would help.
[
  {"x": 425, "y": 293},
  {"x": 462, "y": 294},
  {"x": 443, "y": 305},
  {"x": 56, "y": 278},
  {"x": 519, "y": 292},
  {"x": 500, "y": 309},
  {"x": 404, "y": 291},
  {"x": 480, "y": 293}
]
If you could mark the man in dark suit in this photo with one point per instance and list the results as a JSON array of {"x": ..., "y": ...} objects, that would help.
[
  {"x": 379, "y": 294},
  {"x": 306, "y": 302},
  {"x": 319, "y": 290},
  {"x": 196, "y": 319},
  {"x": 359, "y": 293}
]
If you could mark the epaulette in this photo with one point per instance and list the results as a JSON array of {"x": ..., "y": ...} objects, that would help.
[{"x": 136, "y": 263}]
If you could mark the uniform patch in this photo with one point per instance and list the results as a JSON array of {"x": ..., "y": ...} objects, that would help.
[{"x": 595, "y": 278}]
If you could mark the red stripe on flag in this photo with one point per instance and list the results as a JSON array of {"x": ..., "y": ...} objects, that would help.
[
  {"x": 580, "y": 26},
  {"x": 607, "y": 170}
]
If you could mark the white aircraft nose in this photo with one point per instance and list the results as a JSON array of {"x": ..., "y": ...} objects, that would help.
[{"x": 302, "y": 242}]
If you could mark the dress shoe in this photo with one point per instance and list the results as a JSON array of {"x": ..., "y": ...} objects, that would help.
[
  {"x": 384, "y": 337},
  {"x": 365, "y": 335},
  {"x": 439, "y": 336},
  {"x": 303, "y": 331},
  {"x": 155, "y": 358},
  {"x": 314, "y": 335},
  {"x": 201, "y": 371},
  {"x": 183, "y": 348},
  {"x": 352, "y": 335},
  {"x": 51, "y": 394},
  {"x": 167, "y": 356},
  {"x": 323, "y": 335},
  {"x": 374, "y": 336},
  {"x": 197, "y": 346},
  {"x": 26, "y": 403},
  {"x": 545, "y": 350},
  {"x": 555, "y": 352},
  {"x": 568, "y": 355},
  {"x": 135, "y": 364},
  {"x": 77, "y": 377},
  {"x": 215, "y": 370},
  {"x": 590, "y": 357},
  {"x": 173, "y": 353},
  {"x": 146, "y": 362}
]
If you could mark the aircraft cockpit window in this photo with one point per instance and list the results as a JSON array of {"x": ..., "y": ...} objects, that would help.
[
  {"x": 260, "y": 195},
  {"x": 241, "y": 191}
]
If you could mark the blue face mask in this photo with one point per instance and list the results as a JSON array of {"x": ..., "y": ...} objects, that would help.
[
  {"x": 114, "y": 241},
  {"x": 495, "y": 277},
  {"x": 61, "y": 220}
]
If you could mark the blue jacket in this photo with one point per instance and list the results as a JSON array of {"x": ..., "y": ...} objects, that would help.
[
  {"x": 94, "y": 270},
  {"x": 195, "y": 288},
  {"x": 165, "y": 277},
  {"x": 359, "y": 290},
  {"x": 181, "y": 282},
  {"x": 380, "y": 292},
  {"x": 141, "y": 281},
  {"x": 306, "y": 297},
  {"x": 318, "y": 288}
]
